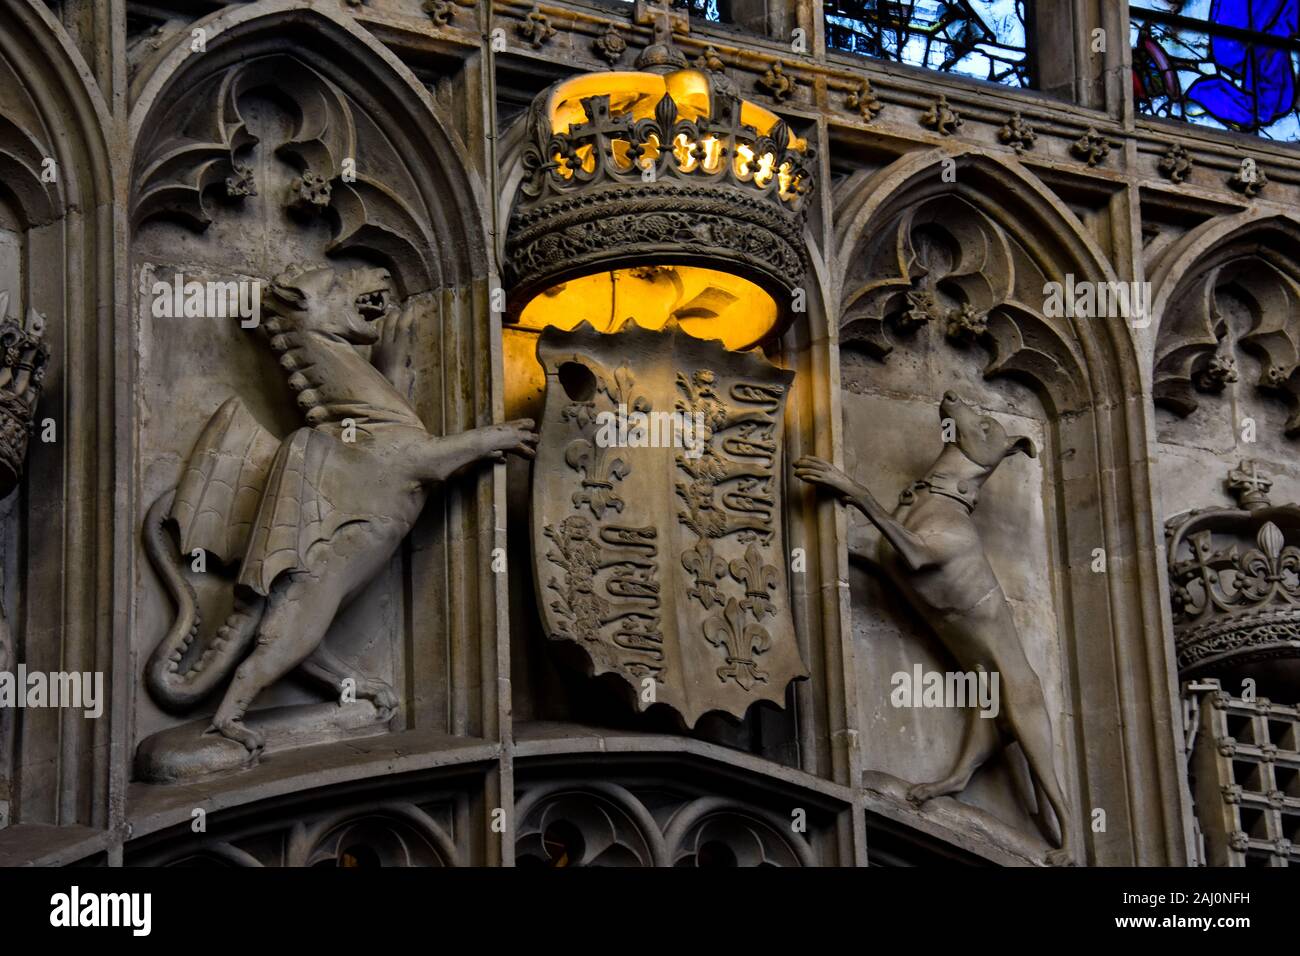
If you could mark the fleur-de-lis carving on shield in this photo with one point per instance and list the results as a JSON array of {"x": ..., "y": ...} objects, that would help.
[
  {"x": 600, "y": 470},
  {"x": 708, "y": 570},
  {"x": 759, "y": 579},
  {"x": 742, "y": 641},
  {"x": 656, "y": 519}
]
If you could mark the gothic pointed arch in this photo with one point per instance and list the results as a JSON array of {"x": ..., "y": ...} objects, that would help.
[
  {"x": 1251, "y": 258},
  {"x": 973, "y": 246},
  {"x": 57, "y": 271},
  {"x": 409, "y": 196}
]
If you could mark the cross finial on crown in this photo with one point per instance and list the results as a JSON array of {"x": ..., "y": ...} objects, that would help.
[
  {"x": 661, "y": 52},
  {"x": 1250, "y": 485}
]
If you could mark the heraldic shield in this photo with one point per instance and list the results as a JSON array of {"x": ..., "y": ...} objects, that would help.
[{"x": 656, "y": 516}]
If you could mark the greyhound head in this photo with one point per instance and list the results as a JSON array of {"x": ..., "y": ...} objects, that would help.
[
  {"x": 341, "y": 304},
  {"x": 980, "y": 438}
]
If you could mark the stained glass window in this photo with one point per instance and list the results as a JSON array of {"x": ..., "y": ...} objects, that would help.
[
  {"x": 980, "y": 38},
  {"x": 704, "y": 9},
  {"x": 1230, "y": 64},
  {"x": 718, "y": 11}
]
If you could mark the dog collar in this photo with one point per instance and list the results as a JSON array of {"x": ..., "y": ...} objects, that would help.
[{"x": 958, "y": 489}]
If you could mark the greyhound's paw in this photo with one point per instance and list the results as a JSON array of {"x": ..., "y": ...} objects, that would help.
[
  {"x": 921, "y": 792},
  {"x": 381, "y": 695},
  {"x": 1060, "y": 857},
  {"x": 235, "y": 730}
]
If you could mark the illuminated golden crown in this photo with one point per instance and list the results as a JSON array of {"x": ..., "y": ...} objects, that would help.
[{"x": 667, "y": 179}]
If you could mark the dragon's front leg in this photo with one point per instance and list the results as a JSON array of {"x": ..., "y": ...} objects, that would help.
[{"x": 443, "y": 457}]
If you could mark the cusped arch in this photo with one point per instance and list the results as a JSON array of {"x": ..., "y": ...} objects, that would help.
[
  {"x": 395, "y": 834},
  {"x": 68, "y": 109},
  {"x": 335, "y": 47},
  {"x": 1257, "y": 256},
  {"x": 1073, "y": 361},
  {"x": 57, "y": 173}
]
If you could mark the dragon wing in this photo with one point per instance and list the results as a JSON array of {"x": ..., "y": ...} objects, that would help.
[
  {"x": 295, "y": 513},
  {"x": 219, "y": 492}
]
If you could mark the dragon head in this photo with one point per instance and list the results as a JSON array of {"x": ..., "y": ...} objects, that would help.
[{"x": 339, "y": 303}]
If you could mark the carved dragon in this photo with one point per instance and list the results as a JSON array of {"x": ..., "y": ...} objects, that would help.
[{"x": 312, "y": 518}]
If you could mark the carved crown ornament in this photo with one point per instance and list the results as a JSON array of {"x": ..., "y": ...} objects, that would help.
[
  {"x": 661, "y": 168},
  {"x": 23, "y": 358},
  {"x": 1234, "y": 578}
]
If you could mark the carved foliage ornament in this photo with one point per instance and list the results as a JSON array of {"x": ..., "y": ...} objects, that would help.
[{"x": 656, "y": 516}]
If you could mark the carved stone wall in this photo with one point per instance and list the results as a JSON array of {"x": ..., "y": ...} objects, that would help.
[{"x": 360, "y": 162}]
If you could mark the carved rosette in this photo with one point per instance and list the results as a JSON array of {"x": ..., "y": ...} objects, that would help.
[{"x": 658, "y": 548}]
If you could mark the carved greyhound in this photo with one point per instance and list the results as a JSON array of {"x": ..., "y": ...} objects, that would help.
[
  {"x": 312, "y": 518},
  {"x": 932, "y": 550}
]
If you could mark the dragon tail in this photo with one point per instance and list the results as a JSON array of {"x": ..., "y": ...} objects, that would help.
[{"x": 172, "y": 687}]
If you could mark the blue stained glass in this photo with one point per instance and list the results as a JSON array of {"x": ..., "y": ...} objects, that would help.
[
  {"x": 702, "y": 9},
  {"x": 1232, "y": 64},
  {"x": 980, "y": 38}
]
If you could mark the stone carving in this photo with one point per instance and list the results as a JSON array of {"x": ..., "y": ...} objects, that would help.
[
  {"x": 192, "y": 159},
  {"x": 945, "y": 261},
  {"x": 775, "y": 81},
  {"x": 1176, "y": 163},
  {"x": 536, "y": 28},
  {"x": 863, "y": 99},
  {"x": 1249, "y": 180},
  {"x": 1234, "y": 579},
  {"x": 941, "y": 117},
  {"x": 602, "y": 191},
  {"x": 662, "y": 558},
  {"x": 610, "y": 45},
  {"x": 586, "y": 822},
  {"x": 1194, "y": 347},
  {"x": 932, "y": 551},
  {"x": 443, "y": 12},
  {"x": 310, "y": 519},
  {"x": 1017, "y": 133},
  {"x": 1092, "y": 147},
  {"x": 23, "y": 359}
]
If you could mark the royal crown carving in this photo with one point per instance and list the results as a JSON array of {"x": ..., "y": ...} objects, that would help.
[
  {"x": 1234, "y": 578},
  {"x": 672, "y": 166},
  {"x": 23, "y": 357}
]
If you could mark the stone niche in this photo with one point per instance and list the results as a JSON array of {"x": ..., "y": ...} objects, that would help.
[
  {"x": 189, "y": 366},
  {"x": 947, "y": 292},
  {"x": 1227, "y": 359},
  {"x": 893, "y": 419},
  {"x": 314, "y": 173}
]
